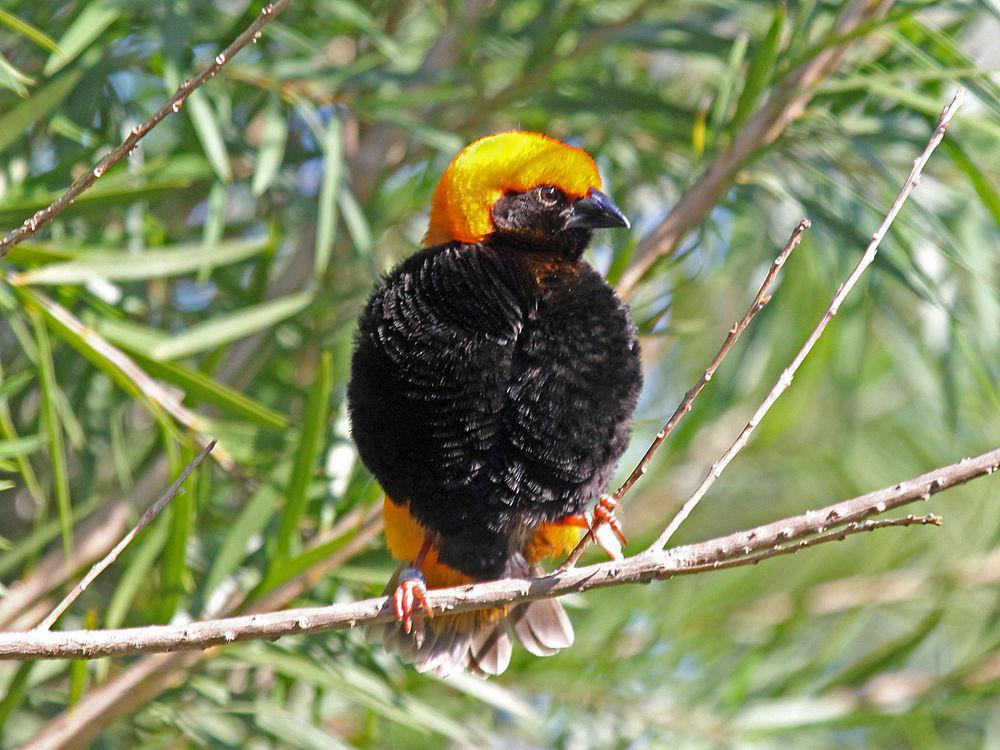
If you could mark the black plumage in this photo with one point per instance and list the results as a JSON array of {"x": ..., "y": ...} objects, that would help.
[{"x": 493, "y": 384}]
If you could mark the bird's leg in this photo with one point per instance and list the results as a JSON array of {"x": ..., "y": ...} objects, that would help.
[
  {"x": 412, "y": 589},
  {"x": 602, "y": 524}
]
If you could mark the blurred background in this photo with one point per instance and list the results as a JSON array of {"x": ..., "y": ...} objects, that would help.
[{"x": 229, "y": 255}]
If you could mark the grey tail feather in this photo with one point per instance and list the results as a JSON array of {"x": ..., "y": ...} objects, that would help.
[{"x": 541, "y": 626}]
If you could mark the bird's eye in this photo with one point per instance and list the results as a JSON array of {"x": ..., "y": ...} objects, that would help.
[{"x": 548, "y": 195}]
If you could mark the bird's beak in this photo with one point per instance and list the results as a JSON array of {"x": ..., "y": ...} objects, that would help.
[{"x": 595, "y": 210}]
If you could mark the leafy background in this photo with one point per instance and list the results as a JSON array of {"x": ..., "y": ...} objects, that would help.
[{"x": 229, "y": 257}]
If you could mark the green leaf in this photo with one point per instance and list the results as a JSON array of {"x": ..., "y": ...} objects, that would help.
[
  {"x": 225, "y": 329},
  {"x": 95, "y": 16},
  {"x": 206, "y": 125},
  {"x": 181, "y": 521},
  {"x": 980, "y": 182},
  {"x": 761, "y": 66},
  {"x": 199, "y": 386},
  {"x": 15, "y": 122},
  {"x": 12, "y": 386},
  {"x": 315, "y": 419},
  {"x": 326, "y": 222},
  {"x": 149, "y": 264},
  {"x": 21, "y": 446},
  {"x": 13, "y": 79},
  {"x": 356, "y": 223},
  {"x": 136, "y": 574},
  {"x": 274, "y": 133},
  {"x": 252, "y": 519},
  {"x": 290, "y": 730},
  {"x": 28, "y": 31},
  {"x": 160, "y": 177},
  {"x": 727, "y": 82},
  {"x": 53, "y": 430}
]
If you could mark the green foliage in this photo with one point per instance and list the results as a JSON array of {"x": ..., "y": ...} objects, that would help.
[{"x": 227, "y": 259}]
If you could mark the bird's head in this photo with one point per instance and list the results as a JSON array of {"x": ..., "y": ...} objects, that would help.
[{"x": 524, "y": 187}]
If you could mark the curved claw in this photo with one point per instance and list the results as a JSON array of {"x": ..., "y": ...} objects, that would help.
[
  {"x": 411, "y": 591},
  {"x": 605, "y": 528},
  {"x": 604, "y": 513}
]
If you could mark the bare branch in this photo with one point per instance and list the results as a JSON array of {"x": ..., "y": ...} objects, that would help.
[
  {"x": 785, "y": 380},
  {"x": 147, "y": 518},
  {"x": 780, "y": 537},
  {"x": 762, "y": 297},
  {"x": 785, "y": 104},
  {"x": 42, "y": 217}
]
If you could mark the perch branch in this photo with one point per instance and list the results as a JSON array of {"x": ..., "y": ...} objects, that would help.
[
  {"x": 42, "y": 217},
  {"x": 147, "y": 518},
  {"x": 780, "y": 537},
  {"x": 785, "y": 380},
  {"x": 762, "y": 297}
]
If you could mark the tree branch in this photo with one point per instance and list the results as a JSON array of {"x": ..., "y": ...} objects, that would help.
[
  {"x": 762, "y": 297},
  {"x": 147, "y": 518},
  {"x": 785, "y": 380},
  {"x": 831, "y": 523},
  {"x": 42, "y": 217}
]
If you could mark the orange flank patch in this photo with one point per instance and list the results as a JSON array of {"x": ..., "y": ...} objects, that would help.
[
  {"x": 404, "y": 537},
  {"x": 553, "y": 540},
  {"x": 514, "y": 161}
]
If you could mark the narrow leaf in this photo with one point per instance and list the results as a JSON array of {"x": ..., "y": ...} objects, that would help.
[
  {"x": 326, "y": 223},
  {"x": 274, "y": 133},
  {"x": 15, "y": 122},
  {"x": 314, "y": 425},
  {"x": 94, "y": 18},
  {"x": 762, "y": 66},
  {"x": 225, "y": 329},
  {"x": 53, "y": 429},
  {"x": 150, "y": 264}
]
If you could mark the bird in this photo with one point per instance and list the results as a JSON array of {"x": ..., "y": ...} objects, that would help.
[{"x": 493, "y": 383}]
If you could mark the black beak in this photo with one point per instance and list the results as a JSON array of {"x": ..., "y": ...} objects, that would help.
[{"x": 595, "y": 210}]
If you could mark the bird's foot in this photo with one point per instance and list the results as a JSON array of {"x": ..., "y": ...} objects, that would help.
[
  {"x": 603, "y": 526},
  {"x": 410, "y": 593},
  {"x": 604, "y": 515}
]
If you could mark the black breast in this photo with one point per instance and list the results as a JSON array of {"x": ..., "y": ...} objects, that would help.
[{"x": 492, "y": 390}]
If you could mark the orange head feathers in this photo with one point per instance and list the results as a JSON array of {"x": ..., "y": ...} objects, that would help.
[{"x": 513, "y": 161}]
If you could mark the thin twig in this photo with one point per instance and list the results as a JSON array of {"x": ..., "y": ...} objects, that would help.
[
  {"x": 778, "y": 538},
  {"x": 143, "y": 680},
  {"x": 173, "y": 104},
  {"x": 147, "y": 518},
  {"x": 762, "y": 297},
  {"x": 785, "y": 380}
]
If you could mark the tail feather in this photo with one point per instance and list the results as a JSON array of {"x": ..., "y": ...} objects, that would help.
[
  {"x": 490, "y": 650},
  {"x": 548, "y": 623}
]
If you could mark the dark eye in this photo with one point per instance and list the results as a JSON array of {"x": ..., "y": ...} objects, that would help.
[{"x": 548, "y": 195}]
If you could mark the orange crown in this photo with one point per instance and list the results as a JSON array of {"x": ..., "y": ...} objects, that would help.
[{"x": 487, "y": 168}]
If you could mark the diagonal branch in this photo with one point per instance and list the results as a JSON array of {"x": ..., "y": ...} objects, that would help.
[
  {"x": 147, "y": 518},
  {"x": 785, "y": 380},
  {"x": 786, "y": 536},
  {"x": 762, "y": 297},
  {"x": 42, "y": 217}
]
